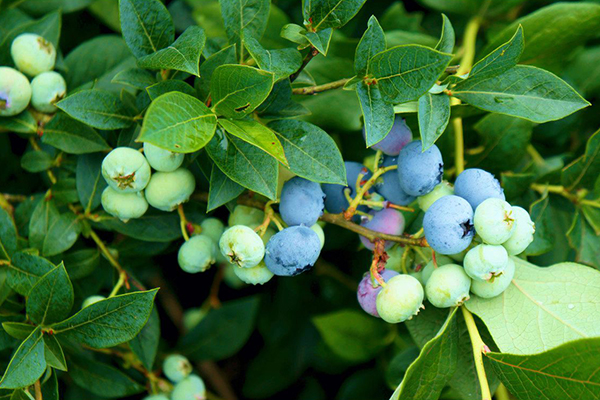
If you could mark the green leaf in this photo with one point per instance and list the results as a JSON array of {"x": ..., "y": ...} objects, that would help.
[
  {"x": 98, "y": 108},
  {"x": 348, "y": 333},
  {"x": 540, "y": 215},
  {"x": 404, "y": 73},
  {"x": 24, "y": 271},
  {"x": 434, "y": 115},
  {"x": 522, "y": 91},
  {"x": 102, "y": 379},
  {"x": 137, "y": 78},
  {"x": 53, "y": 353},
  {"x": 237, "y": 89},
  {"x": 564, "y": 372},
  {"x": 584, "y": 71},
  {"x": 72, "y": 136},
  {"x": 583, "y": 239},
  {"x": 542, "y": 308},
  {"x": 500, "y": 60},
  {"x": 44, "y": 215},
  {"x": 255, "y": 133},
  {"x": 378, "y": 114},
  {"x": 244, "y": 18},
  {"x": 27, "y": 364},
  {"x": 431, "y": 371},
  {"x": 322, "y": 14},
  {"x": 447, "y": 38},
  {"x": 583, "y": 171},
  {"x": 50, "y": 388},
  {"x": 371, "y": 43},
  {"x": 51, "y": 298},
  {"x": 245, "y": 164},
  {"x": 81, "y": 263},
  {"x": 222, "y": 332},
  {"x": 109, "y": 322},
  {"x": 36, "y": 161},
  {"x": 310, "y": 151},
  {"x": 592, "y": 216},
  {"x": 208, "y": 66},
  {"x": 222, "y": 189},
  {"x": 90, "y": 183},
  {"x": 18, "y": 330},
  {"x": 178, "y": 122},
  {"x": 24, "y": 122},
  {"x": 160, "y": 88},
  {"x": 153, "y": 226},
  {"x": 296, "y": 34},
  {"x": 280, "y": 105},
  {"x": 62, "y": 234},
  {"x": 8, "y": 235},
  {"x": 145, "y": 344},
  {"x": 183, "y": 55},
  {"x": 65, "y": 191},
  {"x": 282, "y": 62},
  {"x": 146, "y": 25},
  {"x": 320, "y": 40}
]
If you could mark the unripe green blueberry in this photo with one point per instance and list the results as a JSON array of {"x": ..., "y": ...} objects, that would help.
[
  {"x": 523, "y": 234},
  {"x": 230, "y": 278},
  {"x": 157, "y": 397},
  {"x": 191, "y": 388},
  {"x": 494, "y": 221},
  {"x": 244, "y": 215},
  {"x": 213, "y": 228},
  {"x": 495, "y": 286},
  {"x": 197, "y": 254},
  {"x": 124, "y": 205},
  {"x": 15, "y": 92},
  {"x": 395, "y": 261},
  {"x": 442, "y": 189},
  {"x": 448, "y": 286},
  {"x": 167, "y": 190},
  {"x": 46, "y": 89},
  {"x": 242, "y": 246},
  {"x": 255, "y": 275},
  {"x": 485, "y": 261},
  {"x": 319, "y": 231},
  {"x": 176, "y": 368},
  {"x": 126, "y": 170},
  {"x": 400, "y": 299},
  {"x": 459, "y": 257},
  {"x": 91, "y": 300},
  {"x": 161, "y": 159},
  {"x": 192, "y": 317},
  {"x": 430, "y": 267},
  {"x": 33, "y": 54}
]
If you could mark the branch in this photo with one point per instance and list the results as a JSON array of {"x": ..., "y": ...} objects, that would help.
[
  {"x": 311, "y": 54},
  {"x": 310, "y": 90}
]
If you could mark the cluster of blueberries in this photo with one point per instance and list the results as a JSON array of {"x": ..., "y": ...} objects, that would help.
[
  {"x": 35, "y": 57},
  {"x": 187, "y": 386}
]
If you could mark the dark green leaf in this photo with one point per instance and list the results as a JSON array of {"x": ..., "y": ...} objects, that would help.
[
  {"x": 371, "y": 43},
  {"x": 146, "y": 25},
  {"x": 583, "y": 172},
  {"x": 65, "y": 191},
  {"x": 222, "y": 189},
  {"x": 153, "y": 226},
  {"x": 542, "y": 239},
  {"x": 447, "y": 38},
  {"x": 20, "y": 123},
  {"x": 296, "y": 34},
  {"x": 378, "y": 114},
  {"x": 72, "y": 136},
  {"x": 279, "y": 104},
  {"x": 253, "y": 132},
  {"x": 434, "y": 115},
  {"x": 90, "y": 183},
  {"x": 98, "y": 108},
  {"x": 102, "y": 379},
  {"x": 81, "y": 263},
  {"x": 244, "y": 18},
  {"x": 208, "y": 66},
  {"x": 53, "y": 353},
  {"x": 584, "y": 71},
  {"x": 8, "y": 235},
  {"x": 51, "y": 298},
  {"x": 322, "y": 14},
  {"x": 137, "y": 78},
  {"x": 18, "y": 330},
  {"x": 62, "y": 234},
  {"x": 27, "y": 364},
  {"x": 320, "y": 40},
  {"x": 145, "y": 344},
  {"x": 584, "y": 240},
  {"x": 44, "y": 215},
  {"x": 50, "y": 389},
  {"x": 160, "y": 88},
  {"x": 500, "y": 60},
  {"x": 282, "y": 62},
  {"x": 36, "y": 161},
  {"x": 24, "y": 271}
]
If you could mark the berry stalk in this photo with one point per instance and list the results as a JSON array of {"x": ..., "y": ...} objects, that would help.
[{"x": 479, "y": 348}]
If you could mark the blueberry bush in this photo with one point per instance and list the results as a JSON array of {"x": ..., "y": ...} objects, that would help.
[{"x": 317, "y": 199}]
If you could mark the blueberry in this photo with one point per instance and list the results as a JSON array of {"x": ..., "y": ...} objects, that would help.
[
  {"x": 494, "y": 221},
  {"x": 167, "y": 190},
  {"x": 441, "y": 190},
  {"x": 448, "y": 225},
  {"x": 33, "y": 54},
  {"x": 476, "y": 185},
  {"x": 197, "y": 254},
  {"x": 319, "y": 231},
  {"x": 485, "y": 261},
  {"x": 46, "y": 89},
  {"x": 213, "y": 228},
  {"x": 230, "y": 278},
  {"x": 256, "y": 275},
  {"x": 302, "y": 202},
  {"x": 292, "y": 251},
  {"x": 523, "y": 234},
  {"x": 176, "y": 367},
  {"x": 91, "y": 300},
  {"x": 192, "y": 317},
  {"x": 388, "y": 221},
  {"x": 161, "y": 159},
  {"x": 395, "y": 140},
  {"x": 420, "y": 171},
  {"x": 496, "y": 286},
  {"x": 124, "y": 205},
  {"x": 335, "y": 200},
  {"x": 448, "y": 286},
  {"x": 368, "y": 289},
  {"x": 242, "y": 246},
  {"x": 430, "y": 267},
  {"x": 400, "y": 299},
  {"x": 126, "y": 170},
  {"x": 156, "y": 397},
  {"x": 191, "y": 388},
  {"x": 388, "y": 185},
  {"x": 244, "y": 215},
  {"x": 15, "y": 92}
]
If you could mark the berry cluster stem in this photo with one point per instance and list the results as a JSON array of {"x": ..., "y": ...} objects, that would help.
[
  {"x": 363, "y": 189},
  {"x": 183, "y": 222},
  {"x": 479, "y": 348},
  {"x": 38, "y": 390},
  {"x": 562, "y": 191},
  {"x": 123, "y": 279}
]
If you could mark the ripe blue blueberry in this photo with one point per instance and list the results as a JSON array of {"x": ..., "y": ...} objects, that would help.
[
  {"x": 244, "y": 215},
  {"x": 292, "y": 251},
  {"x": 242, "y": 246},
  {"x": 46, "y": 89},
  {"x": 161, "y": 159},
  {"x": 33, "y": 54},
  {"x": 448, "y": 225},
  {"x": 124, "y": 205},
  {"x": 368, "y": 289},
  {"x": 523, "y": 234},
  {"x": 476, "y": 185},
  {"x": 496, "y": 286},
  {"x": 256, "y": 275},
  {"x": 420, "y": 171},
  {"x": 176, "y": 368},
  {"x": 191, "y": 388},
  {"x": 395, "y": 140},
  {"x": 92, "y": 300},
  {"x": 388, "y": 221},
  {"x": 302, "y": 202},
  {"x": 400, "y": 299},
  {"x": 388, "y": 185},
  {"x": 441, "y": 190},
  {"x": 197, "y": 254},
  {"x": 335, "y": 199},
  {"x": 448, "y": 286},
  {"x": 15, "y": 92},
  {"x": 126, "y": 170},
  {"x": 494, "y": 221},
  {"x": 485, "y": 261},
  {"x": 167, "y": 190}
]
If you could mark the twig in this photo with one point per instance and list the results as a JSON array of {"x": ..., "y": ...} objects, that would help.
[
  {"x": 38, "y": 390},
  {"x": 309, "y": 56},
  {"x": 321, "y": 88},
  {"x": 213, "y": 298},
  {"x": 479, "y": 348}
]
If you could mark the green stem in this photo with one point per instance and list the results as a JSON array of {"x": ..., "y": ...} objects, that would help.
[
  {"x": 320, "y": 88},
  {"x": 502, "y": 393},
  {"x": 364, "y": 189},
  {"x": 104, "y": 250},
  {"x": 478, "y": 349},
  {"x": 183, "y": 222}
]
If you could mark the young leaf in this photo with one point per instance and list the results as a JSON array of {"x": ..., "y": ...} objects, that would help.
[
  {"x": 98, "y": 108},
  {"x": 108, "y": 322},
  {"x": 62, "y": 234},
  {"x": 447, "y": 38},
  {"x": 8, "y": 235},
  {"x": 146, "y": 25},
  {"x": 51, "y": 299},
  {"x": 371, "y": 43},
  {"x": 256, "y": 134},
  {"x": 178, "y": 122},
  {"x": 404, "y": 73},
  {"x": 282, "y": 62},
  {"x": 172, "y": 85},
  {"x": 434, "y": 115},
  {"x": 583, "y": 172},
  {"x": 522, "y": 91},
  {"x": 323, "y": 14},
  {"x": 72, "y": 136},
  {"x": 378, "y": 114},
  {"x": 137, "y": 78},
  {"x": 244, "y": 18},
  {"x": 102, "y": 379},
  {"x": 27, "y": 363},
  {"x": 500, "y": 60},
  {"x": 90, "y": 183},
  {"x": 320, "y": 40},
  {"x": 222, "y": 189},
  {"x": 24, "y": 271},
  {"x": 183, "y": 55},
  {"x": 53, "y": 353}
]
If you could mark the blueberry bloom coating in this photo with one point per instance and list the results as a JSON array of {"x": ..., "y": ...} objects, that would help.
[
  {"x": 167, "y": 190},
  {"x": 388, "y": 221},
  {"x": 176, "y": 367},
  {"x": 420, "y": 171},
  {"x": 448, "y": 225},
  {"x": 395, "y": 140},
  {"x": 190, "y": 388},
  {"x": 476, "y": 185},
  {"x": 335, "y": 200},
  {"x": 368, "y": 289},
  {"x": 448, "y": 286},
  {"x": 33, "y": 54},
  {"x": 388, "y": 185},
  {"x": 302, "y": 202},
  {"x": 46, "y": 89},
  {"x": 292, "y": 251},
  {"x": 161, "y": 159},
  {"x": 15, "y": 92},
  {"x": 197, "y": 254},
  {"x": 485, "y": 261},
  {"x": 124, "y": 205},
  {"x": 400, "y": 299},
  {"x": 126, "y": 170},
  {"x": 494, "y": 287}
]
